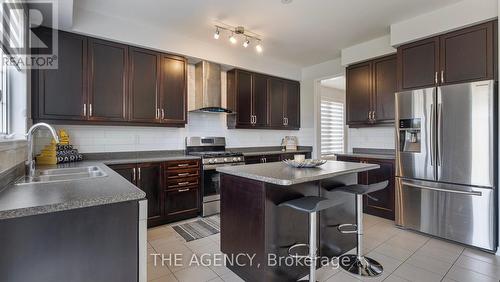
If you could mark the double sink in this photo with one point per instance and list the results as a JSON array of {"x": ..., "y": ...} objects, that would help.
[{"x": 62, "y": 174}]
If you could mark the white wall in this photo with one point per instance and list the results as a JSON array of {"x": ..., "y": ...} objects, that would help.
[
  {"x": 374, "y": 48},
  {"x": 459, "y": 15}
]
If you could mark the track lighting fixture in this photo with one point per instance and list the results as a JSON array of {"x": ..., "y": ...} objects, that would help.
[
  {"x": 217, "y": 33},
  {"x": 246, "y": 42},
  {"x": 239, "y": 32}
]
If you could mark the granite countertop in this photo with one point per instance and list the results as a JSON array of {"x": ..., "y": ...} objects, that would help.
[
  {"x": 370, "y": 153},
  {"x": 32, "y": 199},
  {"x": 138, "y": 157},
  {"x": 281, "y": 174}
]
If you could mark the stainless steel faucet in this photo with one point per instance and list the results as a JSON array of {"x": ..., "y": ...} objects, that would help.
[{"x": 30, "y": 163}]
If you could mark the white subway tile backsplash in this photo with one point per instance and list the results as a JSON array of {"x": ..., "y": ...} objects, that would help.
[{"x": 372, "y": 137}]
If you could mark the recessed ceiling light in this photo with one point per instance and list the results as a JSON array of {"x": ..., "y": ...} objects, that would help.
[{"x": 286, "y": 1}]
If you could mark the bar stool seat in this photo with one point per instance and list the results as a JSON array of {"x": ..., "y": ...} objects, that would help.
[
  {"x": 311, "y": 205},
  {"x": 358, "y": 263}
]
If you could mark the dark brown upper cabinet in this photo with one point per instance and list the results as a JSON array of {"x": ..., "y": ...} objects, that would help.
[
  {"x": 262, "y": 101},
  {"x": 276, "y": 102},
  {"x": 419, "y": 64},
  {"x": 384, "y": 87},
  {"x": 143, "y": 88},
  {"x": 173, "y": 90},
  {"x": 461, "y": 56},
  {"x": 292, "y": 105},
  {"x": 468, "y": 54},
  {"x": 108, "y": 81},
  {"x": 102, "y": 82},
  {"x": 370, "y": 91},
  {"x": 60, "y": 94},
  {"x": 358, "y": 93}
]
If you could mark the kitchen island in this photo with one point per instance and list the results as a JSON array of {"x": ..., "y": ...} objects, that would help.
[{"x": 256, "y": 233}]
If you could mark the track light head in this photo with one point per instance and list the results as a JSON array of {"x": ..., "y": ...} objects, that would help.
[
  {"x": 246, "y": 43},
  {"x": 233, "y": 39},
  {"x": 259, "y": 48},
  {"x": 217, "y": 33}
]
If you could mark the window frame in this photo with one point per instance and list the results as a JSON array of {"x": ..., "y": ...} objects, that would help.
[{"x": 342, "y": 125}]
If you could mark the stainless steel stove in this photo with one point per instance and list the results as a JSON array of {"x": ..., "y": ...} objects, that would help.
[{"x": 213, "y": 153}]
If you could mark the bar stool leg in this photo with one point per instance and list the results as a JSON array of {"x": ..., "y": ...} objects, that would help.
[
  {"x": 359, "y": 264},
  {"x": 312, "y": 246}
]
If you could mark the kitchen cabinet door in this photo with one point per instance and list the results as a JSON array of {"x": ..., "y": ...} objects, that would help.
[
  {"x": 358, "y": 93},
  {"x": 292, "y": 102},
  {"x": 384, "y": 206},
  {"x": 260, "y": 100},
  {"x": 60, "y": 94},
  {"x": 276, "y": 102},
  {"x": 143, "y": 87},
  {"x": 180, "y": 201},
  {"x": 418, "y": 64},
  {"x": 384, "y": 88},
  {"x": 128, "y": 171},
  {"x": 468, "y": 54},
  {"x": 107, "y": 80},
  {"x": 149, "y": 180},
  {"x": 244, "y": 97},
  {"x": 173, "y": 92}
]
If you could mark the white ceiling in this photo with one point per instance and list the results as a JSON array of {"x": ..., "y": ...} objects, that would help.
[
  {"x": 302, "y": 33},
  {"x": 336, "y": 82}
]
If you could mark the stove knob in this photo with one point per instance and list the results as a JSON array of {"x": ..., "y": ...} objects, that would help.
[
  {"x": 225, "y": 159},
  {"x": 211, "y": 161},
  {"x": 235, "y": 159}
]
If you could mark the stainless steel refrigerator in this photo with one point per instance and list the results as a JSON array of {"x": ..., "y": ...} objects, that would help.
[{"x": 446, "y": 162}]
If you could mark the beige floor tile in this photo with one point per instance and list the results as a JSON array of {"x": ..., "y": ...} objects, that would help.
[
  {"x": 218, "y": 279},
  {"x": 195, "y": 274},
  {"x": 482, "y": 267},
  {"x": 460, "y": 274},
  {"x": 215, "y": 238},
  {"x": 445, "y": 245},
  {"x": 199, "y": 243},
  {"x": 323, "y": 273},
  {"x": 157, "y": 233},
  {"x": 231, "y": 277},
  {"x": 170, "y": 240},
  {"x": 412, "y": 273},
  {"x": 220, "y": 269},
  {"x": 429, "y": 263},
  {"x": 210, "y": 248},
  {"x": 483, "y": 256},
  {"x": 157, "y": 271},
  {"x": 404, "y": 242},
  {"x": 342, "y": 276},
  {"x": 394, "y": 278},
  {"x": 394, "y": 252},
  {"x": 438, "y": 253},
  {"x": 166, "y": 278}
]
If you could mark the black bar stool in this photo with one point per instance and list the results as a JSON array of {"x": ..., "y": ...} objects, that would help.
[
  {"x": 311, "y": 205},
  {"x": 358, "y": 263}
]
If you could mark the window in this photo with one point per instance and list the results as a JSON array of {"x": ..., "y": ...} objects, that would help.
[
  {"x": 332, "y": 126},
  {"x": 4, "y": 98}
]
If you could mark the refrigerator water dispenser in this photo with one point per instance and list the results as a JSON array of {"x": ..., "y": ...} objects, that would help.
[{"x": 409, "y": 135}]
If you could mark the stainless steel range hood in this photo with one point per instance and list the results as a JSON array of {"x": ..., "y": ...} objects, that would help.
[{"x": 208, "y": 88}]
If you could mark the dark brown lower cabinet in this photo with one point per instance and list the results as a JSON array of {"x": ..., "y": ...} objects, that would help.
[
  {"x": 383, "y": 206},
  {"x": 170, "y": 196}
]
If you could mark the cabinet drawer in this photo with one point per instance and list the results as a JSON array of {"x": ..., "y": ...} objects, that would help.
[
  {"x": 182, "y": 173},
  {"x": 181, "y": 200},
  {"x": 175, "y": 165},
  {"x": 182, "y": 182}
]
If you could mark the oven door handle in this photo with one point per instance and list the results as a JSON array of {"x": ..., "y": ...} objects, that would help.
[{"x": 214, "y": 166}]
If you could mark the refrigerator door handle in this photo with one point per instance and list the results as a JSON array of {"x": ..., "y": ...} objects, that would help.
[
  {"x": 433, "y": 121},
  {"x": 472, "y": 193},
  {"x": 439, "y": 133}
]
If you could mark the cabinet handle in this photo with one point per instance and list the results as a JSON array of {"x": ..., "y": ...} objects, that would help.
[
  {"x": 183, "y": 174},
  {"x": 183, "y": 190},
  {"x": 182, "y": 165},
  {"x": 436, "y": 77},
  {"x": 84, "y": 109},
  {"x": 442, "y": 76},
  {"x": 90, "y": 109},
  {"x": 157, "y": 115},
  {"x": 373, "y": 116},
  {"x": 183, "y": 183},
  {"x": 162, "y": 114},
  {"x": 369, "y": 115},
  {"x": 133, "y": 174},
  {"x": 139, "y": 177}
]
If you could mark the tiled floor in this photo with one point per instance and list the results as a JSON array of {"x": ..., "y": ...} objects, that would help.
[{"x": 405, "y": 256}]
